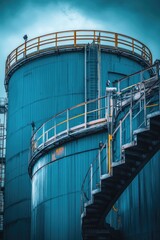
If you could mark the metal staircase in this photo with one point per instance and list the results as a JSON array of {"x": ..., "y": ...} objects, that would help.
[{"x": 133, "y": 139}]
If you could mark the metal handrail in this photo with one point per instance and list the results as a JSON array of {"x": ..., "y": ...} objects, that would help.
[
  {"x": 66, "y": 122},
  {"x": 119, "y": 82},
  {"x": 140, "y": 106},
  {"x": 76, "y": 38},
  {"x": 65, "y": 118},
  {"x": 90, "y": 175}
]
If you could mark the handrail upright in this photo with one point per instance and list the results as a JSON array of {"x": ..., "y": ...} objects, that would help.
[
  {"x": 67, "y": 121},
  {"x": 91, "y": 180}
]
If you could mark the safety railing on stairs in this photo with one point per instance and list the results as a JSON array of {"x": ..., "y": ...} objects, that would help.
[
  {"x": 97, "y": 170},
  {"x": 126, "y": 83},
  {"x": 76, "y": 38},
  {"x": 132, "y": 105},
  {"x": 79, "y": 117}
]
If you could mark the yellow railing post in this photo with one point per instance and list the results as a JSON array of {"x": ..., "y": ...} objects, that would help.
[
  {"x": 109, "y": 154},
  {"x": 38, "y": 43},
  {"x": 25, "y": 48},
  {"x": 132, "y": 45},
  {"x": 150, "y": 58},
  {"x": 94, "y": 35},
  {"x": 16, "y": 54},
  {"x": 56, "y": 40},
  {"x": 116, "y": 40},
  {"x": 75, "y": 38}
]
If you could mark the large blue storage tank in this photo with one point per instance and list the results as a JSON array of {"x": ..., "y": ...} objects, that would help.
[{"x": 45, "y": 76}]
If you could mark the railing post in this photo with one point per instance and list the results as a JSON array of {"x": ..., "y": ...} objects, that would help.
[
  {"x": 99, "y": 162},
  {"x": 132, "y": 45},
  {"x": 74, "y": 38},
  {"x": 131, "y": 129},
  {"x": 116, "y": 40},
  {"x": 38, "y": 44},
  {"x": 94, "y": 32},
  {"x": 85, "y": 115},
  {"x": 110, "y": 154},
  {"x": 43, "y": 136},
  {"x": 85, "y": 72},
  {"x": 91, "y": 176},
  {"x": 120, "y": 140},
  {"x": 16, "y": 54},
  {"x": 144, "y": 52},
  {"x": 25, "y": 48},
  {"x": 144, "y": 102},
  {"x": 67, "y": 121},
  {"x": 106, "y": 157},
  {"x": 56, "y": 40}
]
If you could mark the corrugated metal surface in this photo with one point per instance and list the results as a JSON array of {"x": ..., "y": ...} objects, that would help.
[
  {"x": 56, "y": 190},
  {"x": 56, "y": 186},
  {"x": 38, "y": 90}
]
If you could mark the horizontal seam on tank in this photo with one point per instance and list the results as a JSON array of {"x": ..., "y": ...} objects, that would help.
[
  {"x": 18, "y": 202},
  {"x": 7, "y": 182},
  {"x": 89, "y": 150},
  {"x": 62, "y": 195},
  {"x": 17, "y": 220},
  {"x": 17, "y": 154}
]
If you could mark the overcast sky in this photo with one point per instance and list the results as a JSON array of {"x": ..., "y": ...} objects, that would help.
[{"x": 137, "y": 18}]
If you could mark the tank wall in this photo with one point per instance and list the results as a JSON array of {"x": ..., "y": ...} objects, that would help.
[
  {"x": 56, "y": 196},
  {"x": 38, "y": 90},
  {"x": 56, "y": 189}
]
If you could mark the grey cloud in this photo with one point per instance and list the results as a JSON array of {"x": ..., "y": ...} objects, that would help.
[{"x": 139, "y": 16}]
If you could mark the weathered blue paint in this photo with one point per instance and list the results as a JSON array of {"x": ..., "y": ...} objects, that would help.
[{"x": 38, "y": 90}]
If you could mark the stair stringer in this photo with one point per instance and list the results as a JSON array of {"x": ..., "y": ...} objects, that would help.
[{"x": 137, "y": 155}]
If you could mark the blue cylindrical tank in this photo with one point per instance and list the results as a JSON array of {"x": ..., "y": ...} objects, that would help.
[{"x": 45, "y": 76}]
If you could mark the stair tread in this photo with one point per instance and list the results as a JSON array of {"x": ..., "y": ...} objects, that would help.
[{"x": 136, "y": 156}]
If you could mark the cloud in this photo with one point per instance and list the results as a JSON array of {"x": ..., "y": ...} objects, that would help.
[{"x": 35, "y": 21}]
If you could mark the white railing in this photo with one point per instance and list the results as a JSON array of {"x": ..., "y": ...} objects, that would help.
[
  {"x": 72, "y": 120},
  {"x": 89, "y": 114},
  {"x": 136, "y": 101}
]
